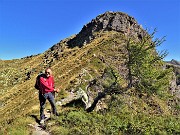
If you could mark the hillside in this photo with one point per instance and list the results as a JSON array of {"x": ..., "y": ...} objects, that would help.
[{"x": 94, "y": 61}]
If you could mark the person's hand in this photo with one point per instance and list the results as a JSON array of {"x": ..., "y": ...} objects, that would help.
[{"x": 56, "y": 90}]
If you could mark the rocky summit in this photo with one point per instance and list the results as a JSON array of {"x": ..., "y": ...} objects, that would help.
[
  {"x": 109, "y": 74},
  {"x": 109, "y": 21}
]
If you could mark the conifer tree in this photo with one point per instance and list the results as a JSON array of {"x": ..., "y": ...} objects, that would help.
[{"x": 145, "y": 65}]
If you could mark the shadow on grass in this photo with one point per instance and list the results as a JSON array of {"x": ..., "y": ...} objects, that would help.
[{"x": 36, "y": 119}]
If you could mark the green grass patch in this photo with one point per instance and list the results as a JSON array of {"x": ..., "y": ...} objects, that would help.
[{"x": 119, "y": 119}]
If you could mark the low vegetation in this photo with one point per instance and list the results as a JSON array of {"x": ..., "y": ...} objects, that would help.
[{"x": 130, "y": 110}]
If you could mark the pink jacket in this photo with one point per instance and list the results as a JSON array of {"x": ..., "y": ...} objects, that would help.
[{"x": 46, "y": 84}]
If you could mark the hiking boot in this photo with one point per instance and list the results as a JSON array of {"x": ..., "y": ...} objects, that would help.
[{"x": 42, "y": 122}]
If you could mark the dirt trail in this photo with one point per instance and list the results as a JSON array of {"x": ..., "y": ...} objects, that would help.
[{"x": 37, "y": 129}]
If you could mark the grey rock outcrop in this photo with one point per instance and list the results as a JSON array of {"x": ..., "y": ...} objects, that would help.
[
  {"x": 116, "y": 21},
  {"x": 71, "y": 96},
  {"x": 96, "y": 93},
  {"x": 174, "y": 62},
  {"x": 175, "y": 82}
]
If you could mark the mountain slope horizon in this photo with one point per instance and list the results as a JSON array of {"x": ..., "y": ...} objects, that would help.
[{"x": 95, "y": 61}]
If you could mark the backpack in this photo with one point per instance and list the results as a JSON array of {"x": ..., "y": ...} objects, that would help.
[{"x": 37, "y": 83}]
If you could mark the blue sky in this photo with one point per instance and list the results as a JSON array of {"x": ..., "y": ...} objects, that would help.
[{"x": 29, "y": 27}]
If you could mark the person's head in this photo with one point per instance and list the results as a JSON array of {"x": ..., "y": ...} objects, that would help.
[{"x": 48, "y": 72}]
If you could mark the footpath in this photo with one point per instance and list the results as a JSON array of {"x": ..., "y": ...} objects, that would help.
[{"x": 37, "y": 129}]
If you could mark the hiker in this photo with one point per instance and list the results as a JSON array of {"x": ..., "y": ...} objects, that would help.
[{"x": 46, "y": 91}]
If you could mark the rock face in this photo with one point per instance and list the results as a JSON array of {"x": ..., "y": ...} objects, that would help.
[
  {"x": 116, "y": 21},
  {"x": 95, "y": 95},
  {"x": 96, "y": 91},
  {"x": 175, "y": 82},
  {"x": 174, "y": 62},
  {"x": 109, "y": 21}
]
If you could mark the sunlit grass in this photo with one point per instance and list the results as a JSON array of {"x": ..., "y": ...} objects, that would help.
[{"x": 130, "y": 112}]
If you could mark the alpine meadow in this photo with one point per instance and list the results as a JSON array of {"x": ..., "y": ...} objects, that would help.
[{"x": 112, "y": 81}]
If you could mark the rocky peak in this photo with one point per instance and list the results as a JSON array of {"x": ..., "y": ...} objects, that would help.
[
  {"x": 175, "y": 62},
  {"x": 109, "y": 21}
]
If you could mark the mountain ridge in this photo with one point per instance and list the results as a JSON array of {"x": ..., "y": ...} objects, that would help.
[{"x": 93, "y": 61}]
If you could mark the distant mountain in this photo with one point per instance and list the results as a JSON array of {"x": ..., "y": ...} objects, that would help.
[
  {"x": 174, "y": 62},
  {"x": 176, "y": 69}
]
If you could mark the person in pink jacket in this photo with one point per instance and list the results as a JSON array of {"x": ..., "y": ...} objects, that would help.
[{"x": 46, "y": 91}]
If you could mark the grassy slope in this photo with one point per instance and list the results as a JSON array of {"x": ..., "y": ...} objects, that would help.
[
  {"x": 22, "y": 95},
  {"x": 127, "y": 113}
]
